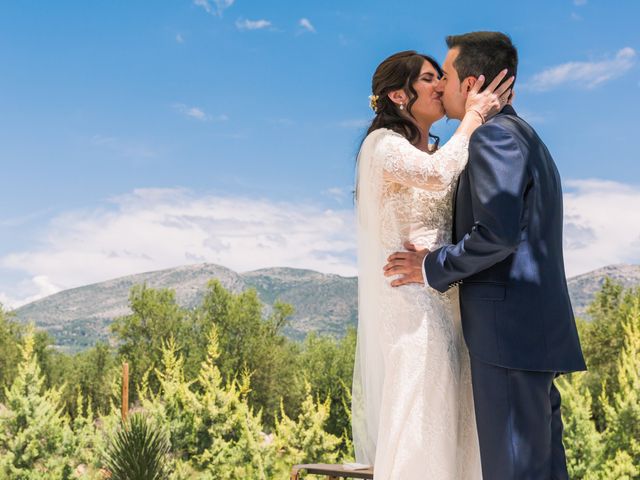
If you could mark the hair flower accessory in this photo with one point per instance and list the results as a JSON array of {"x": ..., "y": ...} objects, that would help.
[{"x": 373, "y": 102}]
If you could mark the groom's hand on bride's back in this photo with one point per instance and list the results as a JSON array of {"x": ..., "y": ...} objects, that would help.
[{"x": 406, "y": 264}]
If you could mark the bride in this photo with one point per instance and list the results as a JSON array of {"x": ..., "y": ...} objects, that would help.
[{"x": 412, "y": 404}]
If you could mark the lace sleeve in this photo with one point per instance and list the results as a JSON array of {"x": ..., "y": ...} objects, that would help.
[{"x": 403, "y": 163}]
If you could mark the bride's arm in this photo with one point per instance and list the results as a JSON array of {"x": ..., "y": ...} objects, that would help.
[{"x": 404, "y": 163}]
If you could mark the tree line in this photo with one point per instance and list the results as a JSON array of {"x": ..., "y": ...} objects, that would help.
[{"x": 230, "y": 396}]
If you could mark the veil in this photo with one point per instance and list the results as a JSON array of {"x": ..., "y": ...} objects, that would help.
[{"x": 369, "y": 366}]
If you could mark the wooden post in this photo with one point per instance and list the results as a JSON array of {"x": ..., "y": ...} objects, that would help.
[
  {"x": 295, "y": 474},
  {"x": 125, "y": 391}
]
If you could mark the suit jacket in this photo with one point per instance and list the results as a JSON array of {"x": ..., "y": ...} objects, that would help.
[{"x": 507, "y": 258}]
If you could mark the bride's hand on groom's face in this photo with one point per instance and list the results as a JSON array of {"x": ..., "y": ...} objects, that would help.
[
  {"x": 493, "y": 98},
  {"x": 406, "y": 264}
]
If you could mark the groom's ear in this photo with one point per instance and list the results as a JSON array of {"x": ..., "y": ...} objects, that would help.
[
  {"x": 468, "y": 83},
  {"x": 472, "y": 82}
]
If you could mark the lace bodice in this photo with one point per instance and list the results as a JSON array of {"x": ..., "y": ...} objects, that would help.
[{"x": 417, "y": 189}]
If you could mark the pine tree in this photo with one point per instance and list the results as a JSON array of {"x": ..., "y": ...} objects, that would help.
[
  {"x": 622, "y": 409},
  {"x": 347, "y": 450},
  {"x": 232, "y": 443},
  {"x": 84, "y": 432},
  {"x": 249, "y": 340},
  {"x": 620, "y": 467},
  {"x": 35, "y": 439},
  {"x": 175, "y": 405},
  {"x": 602, "y": 340},
  {"x": 327, "y": 364},
  {"x": 9, "y": 349},
  {"x": 306, "y": 440},
  {"x": 583, "y": 443}
]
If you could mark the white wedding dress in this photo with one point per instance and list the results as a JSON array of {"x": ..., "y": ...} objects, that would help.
[{"x": 412, "y": 402}]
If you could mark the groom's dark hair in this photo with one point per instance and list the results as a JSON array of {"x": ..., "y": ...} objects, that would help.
[{"x": 484, "y": 53}]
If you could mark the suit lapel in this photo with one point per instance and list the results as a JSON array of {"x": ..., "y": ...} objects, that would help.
[{"x": 507, "y": 110}]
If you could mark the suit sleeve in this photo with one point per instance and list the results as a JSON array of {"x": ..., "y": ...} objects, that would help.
[{"x": 498, "y": 179}]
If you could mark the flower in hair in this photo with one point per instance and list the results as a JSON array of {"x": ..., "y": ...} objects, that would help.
[{"x": 373, "y": 102}]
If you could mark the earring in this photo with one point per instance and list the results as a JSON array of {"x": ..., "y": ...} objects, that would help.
[{"x": 402, "y": 106}]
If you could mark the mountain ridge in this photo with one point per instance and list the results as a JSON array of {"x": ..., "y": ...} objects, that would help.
[{"x": 323, "y": 303}]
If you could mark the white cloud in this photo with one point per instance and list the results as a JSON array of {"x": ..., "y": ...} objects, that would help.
[
  {"x": 28, "y": 290},
  {"x": 252, "y": 24},
  {"x": 306, "y": 24},
  {"x": 9, "y": 303},
  {"x": 198, "y": 113},
  {"x": 584, "y": 74},
  {"x": 193, "y": 112},
  {"x": 151, "y": 229},
  {"x": 179, "y": 38},
  {"x": 339, "y": 194},
  {"x": 602, "y": 224},
  {"x": 221, "y": 6},
  {"x": 204, "y": 4}
]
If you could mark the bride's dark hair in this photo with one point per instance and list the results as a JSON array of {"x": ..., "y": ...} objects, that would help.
[{"x": 399, "y": 71}]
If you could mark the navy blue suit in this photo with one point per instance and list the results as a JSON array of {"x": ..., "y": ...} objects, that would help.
[{"x": 516, "y": 314}]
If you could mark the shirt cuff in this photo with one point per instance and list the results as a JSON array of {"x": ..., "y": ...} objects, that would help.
[{"x": 424, "y": 271}]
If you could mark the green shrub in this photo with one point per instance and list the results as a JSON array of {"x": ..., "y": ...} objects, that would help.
[{"x": 138, "y": 451}]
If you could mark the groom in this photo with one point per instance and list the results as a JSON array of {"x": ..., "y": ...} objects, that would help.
[{"x": 507, "y": 260}]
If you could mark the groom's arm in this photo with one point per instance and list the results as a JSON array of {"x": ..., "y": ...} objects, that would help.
[{"x": 498, "y": 180}]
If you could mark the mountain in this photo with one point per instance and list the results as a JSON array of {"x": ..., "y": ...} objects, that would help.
[
  {"x": 323, "y": 303},
  {"x": 582, "y": 288},
  {"x": 78, "y": 317}
]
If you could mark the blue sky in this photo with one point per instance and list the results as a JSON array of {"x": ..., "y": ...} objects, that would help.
[{"x": 145, "y": 135}]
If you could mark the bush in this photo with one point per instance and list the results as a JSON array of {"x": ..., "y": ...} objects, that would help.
[{"x": 138, "y": 451}]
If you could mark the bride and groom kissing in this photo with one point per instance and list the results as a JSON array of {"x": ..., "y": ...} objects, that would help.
[{"x": 464, "y": 317}]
